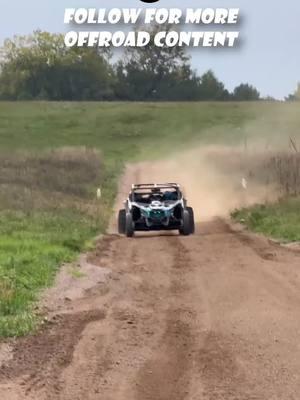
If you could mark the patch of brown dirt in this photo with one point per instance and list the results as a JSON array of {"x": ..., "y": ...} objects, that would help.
[{"x": 214, "y": 316}]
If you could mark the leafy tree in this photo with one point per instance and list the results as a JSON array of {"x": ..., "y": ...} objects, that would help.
[
  {"x": 246, "y": 92},
  {"x": 39, "y": 66},
  {"x": 211, "y": 88},
  {"x": 155, "y": 73}
]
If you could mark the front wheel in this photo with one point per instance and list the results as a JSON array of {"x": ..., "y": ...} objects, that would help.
[
  {"x": 129, "y": 231},
  {"x": 185, "y": 230},
  {"x": 122, "y": 222},
  {"x": 192, "y": 219}
]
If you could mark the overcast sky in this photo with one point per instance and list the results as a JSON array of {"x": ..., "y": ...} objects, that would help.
[{"x": 269, "y": 56}]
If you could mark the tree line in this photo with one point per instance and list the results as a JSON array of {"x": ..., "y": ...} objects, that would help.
[
  {"x": 40, "y": 67},
  {"x": 294, "y": 96}
]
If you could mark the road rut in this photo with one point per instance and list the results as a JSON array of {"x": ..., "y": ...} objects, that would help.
[{"x": 213, "y": 316}]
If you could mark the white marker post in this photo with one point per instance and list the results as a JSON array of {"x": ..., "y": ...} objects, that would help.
[{"x": 245, "y": 183}]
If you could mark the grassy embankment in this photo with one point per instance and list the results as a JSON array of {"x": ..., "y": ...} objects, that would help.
[
  {"x": 280, "y": 220},
  {"x": 53, "y": 157}
]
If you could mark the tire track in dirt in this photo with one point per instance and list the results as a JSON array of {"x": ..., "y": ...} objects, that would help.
[
  {"x": 146, "y": 317},
  {"x": 208, "y": 317},
  {"x": 142, "y": 289},
  {"x": 249, "y": 352},
  {"x": 39, "y": 358},
  {"x": 204, "y": 317},
  {"x": 166, "y": 374}
]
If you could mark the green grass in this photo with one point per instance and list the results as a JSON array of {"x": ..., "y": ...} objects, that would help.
[
  {"x": 280, "y": 220},
  {"x": 31, "y": 250},
  {"x": 48, "y": 210},
  {"x": 48, "y": 213},
  {"x": 137, "y": 130}
]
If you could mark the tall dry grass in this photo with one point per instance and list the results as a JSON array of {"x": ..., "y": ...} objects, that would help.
[
  {"x": 277, "y": 171},
  {"x": 284, "y": 169},
  {"x": 62, "y": 178},
  {"x": 48, "y": 213}
]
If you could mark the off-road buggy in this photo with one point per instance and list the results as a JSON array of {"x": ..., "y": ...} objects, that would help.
[{"x": 156, "y": 207}]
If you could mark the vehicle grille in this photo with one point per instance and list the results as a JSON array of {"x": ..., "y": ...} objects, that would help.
[{"x": 157, "y": 214}]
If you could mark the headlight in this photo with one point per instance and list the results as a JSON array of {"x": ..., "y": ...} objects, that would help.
[
  {"x": 145, "y": 213},
  {"x": 157, "y": 214}
]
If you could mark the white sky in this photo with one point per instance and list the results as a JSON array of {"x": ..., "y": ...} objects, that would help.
[{"x": 268, "y": 58}]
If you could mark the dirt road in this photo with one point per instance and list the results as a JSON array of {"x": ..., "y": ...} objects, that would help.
[{"x": 208, "y": 317}]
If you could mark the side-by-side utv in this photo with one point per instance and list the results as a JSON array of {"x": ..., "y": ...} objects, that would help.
[{"x": 156, "y": 207}]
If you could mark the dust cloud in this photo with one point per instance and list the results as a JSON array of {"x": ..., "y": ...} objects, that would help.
[{"x": 215, "y": 179}]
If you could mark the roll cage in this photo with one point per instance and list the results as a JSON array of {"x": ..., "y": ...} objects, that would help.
[{"x": 145, "y": 193}]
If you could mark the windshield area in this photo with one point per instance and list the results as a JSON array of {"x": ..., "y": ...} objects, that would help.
[{"x": 155, "y": 195}]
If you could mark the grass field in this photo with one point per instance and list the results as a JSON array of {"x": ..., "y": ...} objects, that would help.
[
  {"x": 133, "y": 130},
  {"x": 54, "y": 155},
  {"x": 280, "y": 220}
]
